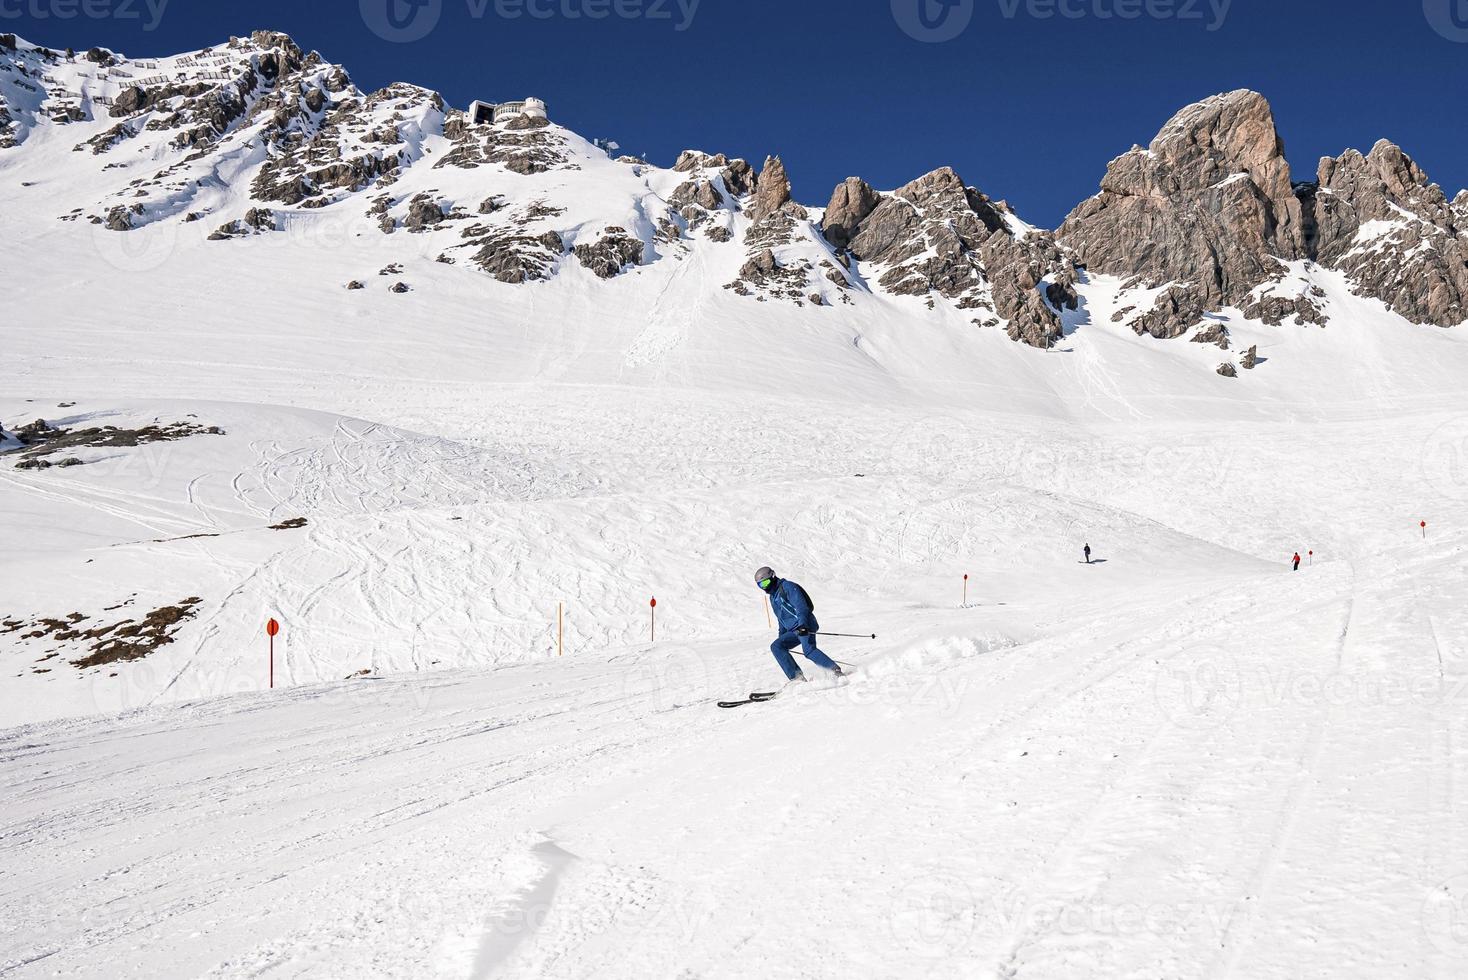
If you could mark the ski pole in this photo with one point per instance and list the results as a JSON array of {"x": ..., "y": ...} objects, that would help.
[{"x": 854, "y": 636}]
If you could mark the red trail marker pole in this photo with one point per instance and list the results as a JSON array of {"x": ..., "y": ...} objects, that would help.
[
  {"x": 1424, "y": 530},
  {"x": 272, "y": 628},
  {"x": 654, "y": 607},
  {"x": 965, "y": 588}
]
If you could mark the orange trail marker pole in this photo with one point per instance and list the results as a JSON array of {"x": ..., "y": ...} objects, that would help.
[
  {"x": 272, "y": 628},
  {"x": 654, "y": 607}
]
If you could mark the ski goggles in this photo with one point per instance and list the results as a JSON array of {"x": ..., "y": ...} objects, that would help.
[{"x": 765, "y": 583}]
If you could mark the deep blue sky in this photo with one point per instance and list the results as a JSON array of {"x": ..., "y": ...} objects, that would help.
[{"x": 1027, "y": 108}]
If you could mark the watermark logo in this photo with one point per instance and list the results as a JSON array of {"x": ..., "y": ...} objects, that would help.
[
  {"x": 406, "y": 21},
  {"x": 936, "y": 21},
  {"x": 1445, "y": 459},
  {"x": 1199, "y": 688},
  {"x": 1213, "y": 12},
  {"x": 1445, "y": 916},
  {"x": 1449, "y": 18},
  {"x": 401, "y": 21},
  {"x": 933, "y": 916},
  {"x": 149, "y": 11},
  {"x": 933, "y": 21},
  {"x": 139, "y": 250}
]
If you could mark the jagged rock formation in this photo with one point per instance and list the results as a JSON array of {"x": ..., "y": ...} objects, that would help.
[
  {"x": 1208, "y": 206},
  {"x": 779, "y": 223},
  {"x": 851, "y": 202},
  {"x": 937, "y": 235},
  {"x": 1394, "y": 234},
  {"x": 611, "y": 253},
  {"x": 710, "y": 196},
  {"x": 522, "y": 150},
  {"x": 772, "y": 192},
  {"x": 255, "y": 221}
]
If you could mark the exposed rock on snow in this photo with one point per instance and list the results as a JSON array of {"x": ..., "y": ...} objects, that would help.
[
  {"x": 112, "y": 643},
  {"x": 517, "y": 258},
  {"x": 1228, "y": 370},
  {"x": 611, "y": 253},
  {"x": 423, "y": 212},
  {"x": 1274, "y": 310},
  {"x": 1215, "y": 333},
  {"x": 256, "y": 221},
  {"x": 524, "y": 152}
]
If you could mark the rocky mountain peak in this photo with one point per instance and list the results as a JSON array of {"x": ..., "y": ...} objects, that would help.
[
  {"x": 772, "y": 189},
  {"x": 1219, "y": 137},
  {"x": 851, "y": 201},
  {"x": 937, "y": 236},
  {"x": 1208, "y": 207},
  {"x": 1394, "y": 233}
]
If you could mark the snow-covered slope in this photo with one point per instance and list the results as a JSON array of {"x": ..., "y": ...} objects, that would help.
[{"x": 604, "y": 381}]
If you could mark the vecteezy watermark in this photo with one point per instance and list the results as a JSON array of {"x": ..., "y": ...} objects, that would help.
[
  {"x": 933, "y": 916},
  {"x": 405, "y": 21},
  {"x": 1199, "y": 687},
  {"x": 401, "y": 21},
  {"x": 935, "y": 21},
  {"x": 1444, "y": 458},
  {"x": 1449, "y": 18},
  {"x": 1445, "y": 917},
  {"x": 1214, "y": 12},
  {"x": 152, "y": 10}
]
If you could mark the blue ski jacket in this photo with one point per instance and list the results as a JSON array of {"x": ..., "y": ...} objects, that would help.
[{"x": 791, "y": 609}]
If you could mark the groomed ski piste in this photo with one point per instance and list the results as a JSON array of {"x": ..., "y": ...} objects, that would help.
[{"x": 1182, "y": 760}]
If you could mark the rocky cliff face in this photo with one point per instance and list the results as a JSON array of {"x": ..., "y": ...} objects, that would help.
[
  {"x": 1207, "y": 206},
  {"x": 1394, "y": 234},
  {"x": 937, "y": 236},
  {"x": 1209, "y": 210}
]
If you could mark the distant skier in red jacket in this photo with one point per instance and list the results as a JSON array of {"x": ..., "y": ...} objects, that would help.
[{"x": 1297, "y": 561}]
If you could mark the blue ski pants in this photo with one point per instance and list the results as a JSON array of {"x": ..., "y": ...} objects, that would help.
[{"x": 789, "y": 641}]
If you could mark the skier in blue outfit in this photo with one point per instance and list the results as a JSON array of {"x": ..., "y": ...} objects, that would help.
[{"x": 798, "y": 627}]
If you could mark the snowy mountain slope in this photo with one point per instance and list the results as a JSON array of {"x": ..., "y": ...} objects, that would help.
[{"x": 1070, "y": 805}]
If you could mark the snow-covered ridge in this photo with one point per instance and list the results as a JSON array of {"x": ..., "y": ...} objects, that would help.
[{"x": 256, "y": 138}]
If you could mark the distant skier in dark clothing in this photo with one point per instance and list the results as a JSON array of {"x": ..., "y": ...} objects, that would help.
[
  {"x": 1088, "y": 554},
  {"x": 1297, "y": 561},
  {"x": 796, "y": 616}
]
